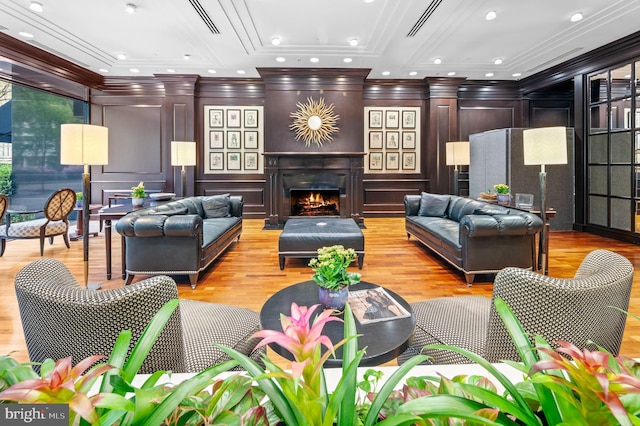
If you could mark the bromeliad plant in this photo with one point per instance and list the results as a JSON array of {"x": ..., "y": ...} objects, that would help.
[{"x": 330, "y": 267}]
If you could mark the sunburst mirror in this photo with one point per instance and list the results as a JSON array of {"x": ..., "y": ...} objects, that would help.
[{"x": 314, "y": 122}]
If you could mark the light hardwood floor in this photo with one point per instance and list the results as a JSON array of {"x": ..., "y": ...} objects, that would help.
[{"x": 248, "y": 273}]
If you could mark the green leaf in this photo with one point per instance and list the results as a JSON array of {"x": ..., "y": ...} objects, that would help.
[
  {"x": 436, "y": 406},
  {"x": 347, "y": 410}
]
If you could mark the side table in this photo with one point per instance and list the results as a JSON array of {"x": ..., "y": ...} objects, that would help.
[
  {"x": 384, "y": 340},
  {"x": 76, "y": 236}
]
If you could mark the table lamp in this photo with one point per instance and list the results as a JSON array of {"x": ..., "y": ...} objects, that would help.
[
  {"x": 457, "y": 154},
  {"x": 86, "y": 145},
  {"x": 544, "y": 146},
  {"x": 183, "y": 154}
]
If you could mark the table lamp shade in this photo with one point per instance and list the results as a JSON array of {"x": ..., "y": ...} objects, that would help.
[
  {"x": 546, "y": 145},
  {"x": 183, "y": 153},
  {"x": 84, "y": 144},
  {"x": 457, "y": 154}
]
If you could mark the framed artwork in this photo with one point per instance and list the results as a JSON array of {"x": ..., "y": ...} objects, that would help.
[
  {"x": 216, "y": 161},
  {"x": 408, "y": 161},
  {"x": 375, "y": 119},
  {"x": 251, "y": 139},
  {"x": 375, "y": 140},
  {"x": 408, "y": 140},
  {"x": 251, "y": 118},
  {"x": 392, "y": 140},
  {"x": 216, "y": 118},
  {"x": 233, "y": 139},
  {"x": 251, "y": 161},
  {"x": 216, "y": 139},
  {"x": 375, "y": 161},
  {"x": 393, "y": 161},
  {"x": 233, "y": 118},
  {"x": 392, "y": 119},
  {"x": 233, "y": 161},
  {"x": 408, "y": 119}
]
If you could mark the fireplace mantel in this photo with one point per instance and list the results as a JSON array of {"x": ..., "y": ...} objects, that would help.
[{"x": 285, "y": 170}]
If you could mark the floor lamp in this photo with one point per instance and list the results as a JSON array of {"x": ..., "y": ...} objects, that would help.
[
  {"x": 183, "y": 154},
  {"x": 86, "y": 145},
  {"x": 457, "y": 154},
  {"x": 544, "y": 146}
]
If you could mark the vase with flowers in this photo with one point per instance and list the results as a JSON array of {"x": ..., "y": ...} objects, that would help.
[
  {"x": 330, "y": 273},
  {"x": 138, "y": 195},
  {"x": 502, "y": 191}
]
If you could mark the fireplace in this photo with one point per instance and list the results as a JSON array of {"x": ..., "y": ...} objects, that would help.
[
  {"x": 315, "y": 202},
  {"x": 291, "y": 176}
]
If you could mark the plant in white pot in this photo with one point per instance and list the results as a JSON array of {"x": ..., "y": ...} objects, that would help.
[
  {"x": 331, "y": 275},
  {"x": 502, "y": 191},
  {"x": 138, "y": 194}
]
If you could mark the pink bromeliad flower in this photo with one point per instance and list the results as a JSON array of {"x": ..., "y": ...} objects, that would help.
[{"x": 302, "y": 338}]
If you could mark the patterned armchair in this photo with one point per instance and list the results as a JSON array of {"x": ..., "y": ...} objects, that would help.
[
  {"x": 56, "y": 210},
  {"x": 577, "y": 310},
  {"x": 60, "y": 319}
]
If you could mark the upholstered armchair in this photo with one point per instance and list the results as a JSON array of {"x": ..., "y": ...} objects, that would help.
[
  {"x": 61, "y": 319},
  {"x": 56, "y": 210},
  {"x": 579, "y": 310}
]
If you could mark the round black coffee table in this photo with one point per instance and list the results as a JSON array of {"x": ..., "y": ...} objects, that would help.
[{"x": 384, "y": 340}]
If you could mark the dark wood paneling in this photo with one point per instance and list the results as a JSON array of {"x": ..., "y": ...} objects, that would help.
[{"x": 476, "y": 119}]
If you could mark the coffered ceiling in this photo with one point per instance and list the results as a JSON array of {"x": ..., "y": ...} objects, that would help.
[{"x": 231, "y": 38}]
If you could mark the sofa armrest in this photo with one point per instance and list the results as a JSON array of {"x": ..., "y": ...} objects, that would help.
[
  {"x": 158, "y": 225},
  {"x": 499, "y": 225},
  {"x": 237, "y": 204},
  {"x": 411, "y": 204}
]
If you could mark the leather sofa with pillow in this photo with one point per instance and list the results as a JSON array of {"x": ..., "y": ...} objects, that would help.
[
  {"x": 473, "y": 236},
  {"x": 180, "y": 237}
]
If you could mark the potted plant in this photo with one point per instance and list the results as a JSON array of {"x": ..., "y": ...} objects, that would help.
[
  {"x": 79, "y": 199},
  {"x": 502, "y": 191},
  {"x": 138, "y": 194},
  {"x": 330, "y": 273}
]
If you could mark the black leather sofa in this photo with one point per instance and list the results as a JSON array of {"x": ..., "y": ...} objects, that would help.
[
  {"x": 180, "y": 237},
  {"x": 473, "y": 236}
]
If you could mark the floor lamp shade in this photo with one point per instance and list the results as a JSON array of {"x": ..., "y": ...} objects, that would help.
[
  {"x": 457, "y": 154},
  {"x": 183, "y": 154},
  {"x": 87, "y": 145}
]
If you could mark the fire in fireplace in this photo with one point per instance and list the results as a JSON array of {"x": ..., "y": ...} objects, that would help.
[{"x": 315, "y": 202}]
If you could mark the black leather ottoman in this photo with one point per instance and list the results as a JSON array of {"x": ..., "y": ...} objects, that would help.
[{"x": 303, "y": 237}]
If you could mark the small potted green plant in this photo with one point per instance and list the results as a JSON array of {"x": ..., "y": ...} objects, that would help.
[
  {"x": 138, "y": 194},
  {"x": 330, "y": 273},
  {"x": 79, "y": 199},
  {"x": 502, "y": 191}
]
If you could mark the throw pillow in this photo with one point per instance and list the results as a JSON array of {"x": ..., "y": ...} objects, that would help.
[
  {"x": 433, "y": 205},
  {"x": 216, "y": 206}
]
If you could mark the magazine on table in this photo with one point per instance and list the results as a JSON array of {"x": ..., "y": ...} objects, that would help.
[{"x": 375, "y": 304}]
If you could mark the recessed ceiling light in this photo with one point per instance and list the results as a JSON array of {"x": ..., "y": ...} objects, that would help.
[
  {"x": 171, "y": 70},
  {"x": 490, "y": 16},
  {"x": 25, "y": 34},
  {"x": 36, "y": 7},
  {"x": 186, "y": 56},
  {"x": 211, "y": 71},
  {"x": 241, "y": 72},
  {"x": 451, "y": 73},
  {"x": 413, "y": 73},
  {"x": 314, "y": 60},
  {"x": 121, "y": 56},
  {"x": 134, "y": 70},
  {"x": 103, "y": 70},
  {"x": 437, "y": 61},
  {"x": 275, "y": 41},
  {"x": 353, "y": 42},
  {"x": 497, "y": 61},
  {"x": 489, "y": 74},
  {"x": 577, "y": 17},
  {"x": 347, "y": 60},
  {"x": 280, "y": 59},
  {"x": 386, "y": 72},
  {"x": 516, "y": 74},
  {"x": 369, "y": 1},
  {"x": 130, "y": 8}
]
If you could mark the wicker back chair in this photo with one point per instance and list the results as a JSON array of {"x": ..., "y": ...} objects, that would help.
[
  {"x": 4, "y": 204},
  {"x": 56, "y": 210},
  {"x": 579, "y": 310},
  {"x": 60, "y": 318}
]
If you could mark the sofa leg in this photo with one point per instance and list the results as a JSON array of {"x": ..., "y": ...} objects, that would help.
[
  {"x": 408, "y": 236},
  {"x": 129, "y": 279},
  {"x": 193, "y": 278},
  {"x": 360, "y": 260},
  {"x": 281, "y": 259},
  {"x": 469, "y": 278}
]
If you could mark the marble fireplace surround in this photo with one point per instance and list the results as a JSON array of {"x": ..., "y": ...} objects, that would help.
[{"x": 294, "y": 170}]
